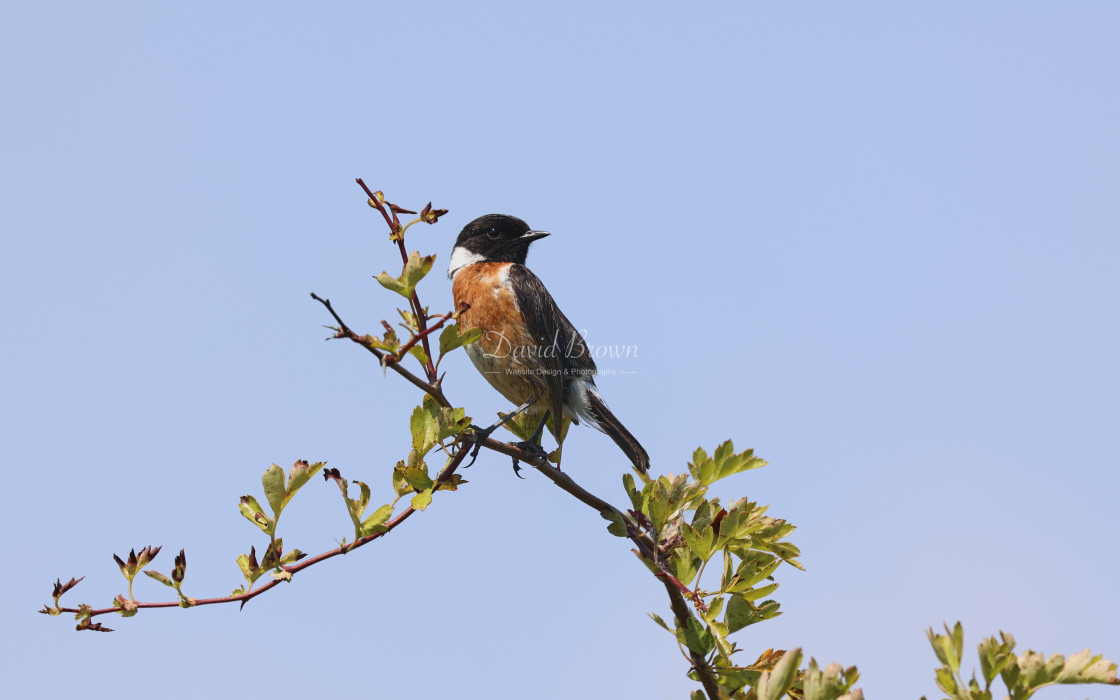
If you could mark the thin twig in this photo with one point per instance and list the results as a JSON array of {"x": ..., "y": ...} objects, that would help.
[
  {"x": 344, "y": 331},
  {"x": 375, "y": 203},
  {"x": 422, "y": 335}
]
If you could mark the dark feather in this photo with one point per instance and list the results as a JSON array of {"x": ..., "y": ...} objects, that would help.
[
  {"x": 565, "y": 359},
  {"x": 616, "y": 431},
  {"x": 553, "y": 333}
]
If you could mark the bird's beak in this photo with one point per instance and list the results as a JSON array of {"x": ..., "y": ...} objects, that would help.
[{"x": 534, "y": 235}]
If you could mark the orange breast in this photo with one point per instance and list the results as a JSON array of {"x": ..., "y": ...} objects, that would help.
[{"x": 503, "y": 353}]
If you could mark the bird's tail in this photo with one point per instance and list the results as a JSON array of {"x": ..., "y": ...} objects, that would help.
[{"x": 604, "y": 420}]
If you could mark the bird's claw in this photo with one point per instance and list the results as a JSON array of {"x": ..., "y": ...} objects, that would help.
[
  {"x": 481, "y": 434},
  {"x": 532, "y": 449}
]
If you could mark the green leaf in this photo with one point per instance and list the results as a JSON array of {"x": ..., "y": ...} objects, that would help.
[
  {"x": 699, "y": 457},
  {"x": 252, "y": 511},
  {"x": 390, "y": 343},
  {"x": 657, "y": 618},
  {"x": 414, "y": 271},
  {"x": 161, "y": 578},
  {"x": 740, "y": 613},
  {"x": 945, "y": 646},
  {"x": 714, "y": 608},
  {"x": 371, "y": 524},
  {"x": 431, "y": 423},
  {"x": 451, "y": 421},
  {"x": 702, "y": 516},
  {"x": 696, "y": 636},
  {"x": 425, "y": 430},
  {"x": 417, "y": 351},
  {"x": 249, "y": 567},
  {"x": 756, "y": 593},
  {"x": 291, "y": 557},
  {"x": 300, "y": 474},
  {"x": 418, "y": 479},
  {"x": 947, "y": 682},
  {"x": 658, "y": 507},
  {"x": 1011, "y": 675},
  {"x": 832, "y": 683},
  {"x": 750, "y": 572},
  {"x": 684, "y": 565},
  {"x": 421, "y": 500},
  {"x": 728, "y": 462},
  {"x": 1033, "y": 671},
  {"x": 1083, "y": 667},
  {"x": 632, "y": 491},
  {"x": 523, "y": 425},
  {"x": 400, "y": 486},
  {"x": 451, "y": 483},
  {"x": 618, "y": 522},
  {"x": 409, "y": 320},
  {"x": 273, "y": 481},
  {"x": 958, "y": 641},
  {"x": 994, "y": 656},
  {"x": 772, "y": 685},
  {"x": 358, "y": 506},
  {"x": 699, "y": 541},
  {"x": 723, "y": 463},
  {"x": 451, "y": 337}
]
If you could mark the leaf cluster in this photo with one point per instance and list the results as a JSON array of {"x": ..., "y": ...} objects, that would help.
[
  {"x": 1023, "y": 674},
  {"x": 692, "y": 530},
  {"x": 430, "y": 425},
  {"x": 278, "y": 492}
]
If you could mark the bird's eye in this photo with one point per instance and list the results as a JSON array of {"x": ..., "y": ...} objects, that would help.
[{"x": 493, "y": 233}]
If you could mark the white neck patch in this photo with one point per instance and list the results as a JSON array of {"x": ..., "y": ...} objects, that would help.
[{"x": 460, "y": 258}]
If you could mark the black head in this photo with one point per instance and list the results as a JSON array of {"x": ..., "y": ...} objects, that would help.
[{"x": 493, "y": 238}]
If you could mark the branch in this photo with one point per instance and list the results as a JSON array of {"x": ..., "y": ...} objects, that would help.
[
  {"x": 703, "y": 669},
  {"x": 414, "y": 300},
  {"x": 375, "y": 202},
  {"x": 344, "y": 331},
  {"x": 422, "y": 336},
  {"x": 676, "y": 590},
  {"x": 292, "y": 569}
]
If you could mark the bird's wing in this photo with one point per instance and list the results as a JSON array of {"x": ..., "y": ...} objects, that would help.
[{"x": 564, "y": 355}]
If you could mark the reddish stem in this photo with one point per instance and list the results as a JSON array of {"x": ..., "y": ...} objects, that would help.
[
  {"x": 375, "y": 203},
  {"x": 443, "y": 477},
  {"x": 422, "y": 336},
  {"x": 421, "y": 320}
]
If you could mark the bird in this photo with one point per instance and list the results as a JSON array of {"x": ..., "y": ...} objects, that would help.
[{"x": 528, "y": 349}]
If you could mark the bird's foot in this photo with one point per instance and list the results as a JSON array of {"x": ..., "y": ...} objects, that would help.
[
  {"x": 532, "y": 449},
  {"x": 483, "y": 434}
]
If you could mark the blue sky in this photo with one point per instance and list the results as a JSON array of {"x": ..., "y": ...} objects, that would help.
[{"x": 877, "y": 242}]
